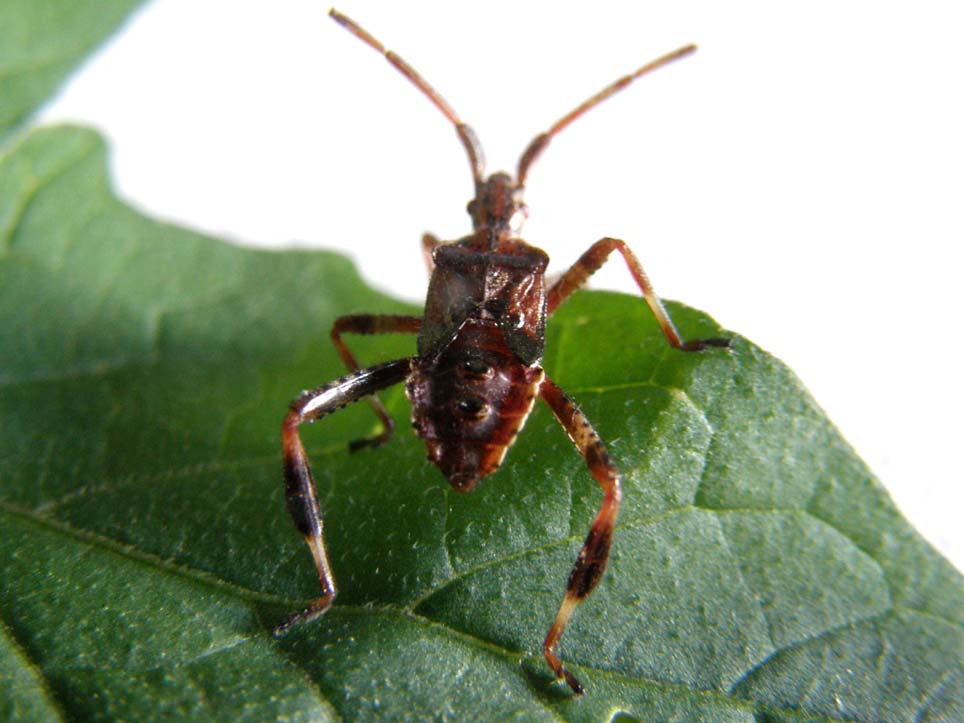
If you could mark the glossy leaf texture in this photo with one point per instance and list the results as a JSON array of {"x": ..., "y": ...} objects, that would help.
[{"x": 759, "y": 572}]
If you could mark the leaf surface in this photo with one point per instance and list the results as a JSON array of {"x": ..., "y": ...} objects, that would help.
[
  {"x": 759, "y": 573},
  {"x": 41, "y": 41}
]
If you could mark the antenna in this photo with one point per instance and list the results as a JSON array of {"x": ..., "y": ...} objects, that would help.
[
  {"x": 540, "y": 142},
  {"x": 466, "y": 135}
]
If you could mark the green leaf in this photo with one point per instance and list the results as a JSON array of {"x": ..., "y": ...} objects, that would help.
[
  {"x": 759, "y": 571},
  {"x": 41, "y": 41}
]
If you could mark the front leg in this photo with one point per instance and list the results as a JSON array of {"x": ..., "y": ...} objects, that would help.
[
  {"x": 591, "y": 562},
  {"x": 300, "y": 490},
  {"x": 591, "y": 261}
]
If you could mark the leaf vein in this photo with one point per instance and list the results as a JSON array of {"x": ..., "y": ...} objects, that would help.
[
  {"x": 86, "y": 151},
  {"x": 680, "y": 688},
  {"x": 35, "y": 670},
  {"x": 931, "y": 695},
  {"x": 122, "y": 549}
]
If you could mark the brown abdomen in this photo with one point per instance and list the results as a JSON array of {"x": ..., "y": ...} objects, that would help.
[{"x": 470, "y": 401}]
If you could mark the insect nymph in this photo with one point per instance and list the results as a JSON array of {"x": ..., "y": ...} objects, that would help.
[{"x": 477, "y": 372}]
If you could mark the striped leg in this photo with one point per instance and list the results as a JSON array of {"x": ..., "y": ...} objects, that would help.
[
  {"x": 591, "y": 562},
  {"x": 300, "y": 483},
  {"x": 371, "y": 324},
  {"x": 591, "y": 261}
]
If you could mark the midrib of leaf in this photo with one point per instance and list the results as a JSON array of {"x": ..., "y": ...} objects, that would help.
[
  {"x": 102, "y": 542},
  {"x": 258, "y": 598},
  {"x": 247, "y": 595},
  {"x": 331, "y": 449},
  {"x": 563, "y": 343}
]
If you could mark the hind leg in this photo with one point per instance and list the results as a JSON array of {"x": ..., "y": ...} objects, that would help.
[{"x": 591, "y": 561}]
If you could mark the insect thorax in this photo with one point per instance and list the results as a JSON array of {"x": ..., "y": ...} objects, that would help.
[{"x": 505, "y": 287}]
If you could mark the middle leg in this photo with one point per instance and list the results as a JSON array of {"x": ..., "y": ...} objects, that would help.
[{"x": 371, "y": 324}]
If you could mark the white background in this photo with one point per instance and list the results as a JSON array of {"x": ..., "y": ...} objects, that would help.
[{"x": 800, "y": 178}]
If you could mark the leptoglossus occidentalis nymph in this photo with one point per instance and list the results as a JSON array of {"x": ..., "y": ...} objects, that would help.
[{"x": 477, "y": 372}]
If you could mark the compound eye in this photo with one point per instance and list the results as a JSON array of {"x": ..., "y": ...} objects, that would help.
[{"x": 472, "y": 408}]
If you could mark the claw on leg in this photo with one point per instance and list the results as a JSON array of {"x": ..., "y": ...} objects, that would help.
[{"x": 316, "y": 609}]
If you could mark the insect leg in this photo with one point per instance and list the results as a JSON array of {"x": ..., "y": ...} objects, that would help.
[
  {"x": 591, "y": 562},
  {"x": 371, "y": 324},
  {"x": 590, "y": 262},
  {"x": 429, "y": 243},
  {"x": 300, "y": 490}
]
